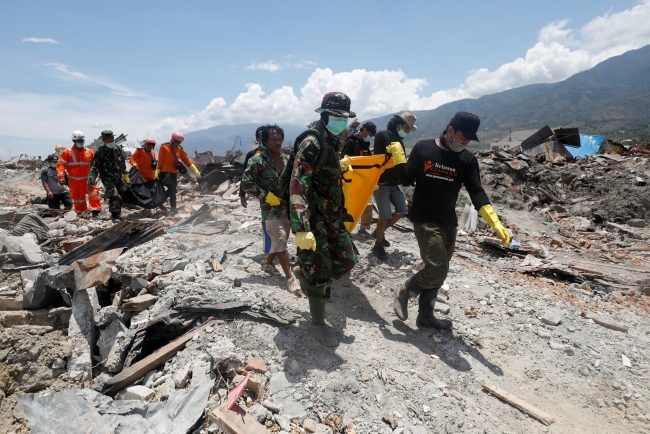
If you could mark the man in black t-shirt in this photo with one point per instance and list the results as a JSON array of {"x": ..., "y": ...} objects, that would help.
[
  {"x": 358, "y": 144},
  {"x": 440, "y": 168}
]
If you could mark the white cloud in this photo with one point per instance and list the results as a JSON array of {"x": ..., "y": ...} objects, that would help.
[
  {"x": 558, "y": 54},
  {"x": 41, "y": 40},
  {"x": 68, "y": 74},
  {"x": 265, "y": 66},
  {"x": 273, "y": 66}
]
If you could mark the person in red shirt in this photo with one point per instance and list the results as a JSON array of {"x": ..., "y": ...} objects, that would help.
[
  {"x": 169, "y": 156},
  {"x": 144, "y": 159}
]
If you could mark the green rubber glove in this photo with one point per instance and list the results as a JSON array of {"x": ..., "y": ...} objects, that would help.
[{"x": 487, "y": 212}]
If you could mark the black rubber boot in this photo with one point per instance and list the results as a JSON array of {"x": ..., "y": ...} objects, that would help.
[
  {"x": 318, "y": 327},
  {"x": 401, "y": 300},
  {"x": 95, "y": 213},
  {"x": 379, "y": 251},
  {"x": 116, "y": 215},
  {"x": 425, "y": 318}
]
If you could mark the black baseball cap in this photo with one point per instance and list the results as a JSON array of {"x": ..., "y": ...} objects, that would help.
[
  {"x": 467, "y": 123},
  {"x": 370, "y": 126}
]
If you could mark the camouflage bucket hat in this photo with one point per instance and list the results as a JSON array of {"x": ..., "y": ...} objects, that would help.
[{"x": 338, "y": 104}]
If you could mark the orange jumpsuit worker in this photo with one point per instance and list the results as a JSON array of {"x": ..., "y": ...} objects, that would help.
[
  {"x": 169, "y": 156},
  {"x": 76, "y": 161},
  {"x": 145, "y": 159}
]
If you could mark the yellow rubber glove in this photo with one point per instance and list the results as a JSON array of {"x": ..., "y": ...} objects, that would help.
[
  {"x": 487, "y": 212},
  {"x": 306, "y": 241},
  {"x": 395, "y": 149},
  {"x": 156, "y": 173},
  {"x": 346, "y": 164},
  {"x": 134, "y": 165},
  {"x": 272, "y": 199},
  {"x": 126, "y": 178},
  {"x": 196, "y": 171}
]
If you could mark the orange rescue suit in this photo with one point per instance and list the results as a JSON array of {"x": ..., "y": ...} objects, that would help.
[
  {"x": 168, "y": 157},
  {"x": 77, "y": 163},
  {"x": 141, "y": 158}
]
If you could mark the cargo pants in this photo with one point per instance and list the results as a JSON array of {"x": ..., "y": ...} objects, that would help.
[
  {"x": 436, "y": 243},
  {"x": 333, "y": 258}
]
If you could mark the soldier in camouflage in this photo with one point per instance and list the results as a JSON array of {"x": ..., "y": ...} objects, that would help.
[
  {"x": 261, "y": 179},
  {"x": 317, "y": 208},
  {"x": 109, "y": 164}
]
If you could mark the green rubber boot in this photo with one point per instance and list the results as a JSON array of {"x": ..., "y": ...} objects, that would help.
[{"x": 319, "y": 329}]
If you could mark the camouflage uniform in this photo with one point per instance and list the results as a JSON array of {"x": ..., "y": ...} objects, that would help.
[
  {"x": 261, "y": 176},
  {"x": 110, "y": 165},
  {"x": 317, "y": 207}
]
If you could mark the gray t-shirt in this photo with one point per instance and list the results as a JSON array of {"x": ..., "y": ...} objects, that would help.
[{"x": 50, "y": 177}]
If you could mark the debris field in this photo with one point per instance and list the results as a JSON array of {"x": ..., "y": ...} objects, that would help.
[{"x": 167, "y": 323}]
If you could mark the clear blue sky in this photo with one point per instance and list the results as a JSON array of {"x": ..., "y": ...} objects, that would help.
[{"x": 172, "y": 58}]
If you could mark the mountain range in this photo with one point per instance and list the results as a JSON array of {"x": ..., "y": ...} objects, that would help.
[{"x": 611, "y": 99}]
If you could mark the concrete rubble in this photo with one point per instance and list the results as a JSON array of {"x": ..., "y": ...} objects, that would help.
[{"x": 555, "y": 325}]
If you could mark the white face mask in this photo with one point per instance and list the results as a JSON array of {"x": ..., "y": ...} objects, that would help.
[{"x": 454, "y": 146}]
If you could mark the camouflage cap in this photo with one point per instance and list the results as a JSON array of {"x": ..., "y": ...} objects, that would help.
[
  {"x": 107, "y": 133},
  {"x": 338, "y": 104}
]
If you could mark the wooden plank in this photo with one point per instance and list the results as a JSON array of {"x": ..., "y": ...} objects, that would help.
[
  {"x": 586, "y": 270},
  {"x": 236, "y": 421},
  {"x": 152, "y": 361},
  {"x": 608, "y": 324},
  {"x": 538, "y": 414},
  {"x": 139, "y": 303}
]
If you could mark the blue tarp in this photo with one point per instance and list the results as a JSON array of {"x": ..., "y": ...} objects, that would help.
[{"x": 589, "y": 145}]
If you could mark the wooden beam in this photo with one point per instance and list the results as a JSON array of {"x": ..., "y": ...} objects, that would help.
[
  {"x": 139, "y": 303},
  {"x": 608, "y": 324},
  {"x": 545, "y": 418},
  {"x": 152, "y": 361}
]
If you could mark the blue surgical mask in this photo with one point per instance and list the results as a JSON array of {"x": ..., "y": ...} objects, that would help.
[
  {"x": 336, "y": 125},
  {"x": 79, "y": 144},
  {"x": 53, "y": 165},
  {"x": 110, "y": 145},
  {"x": 401, "y": 133},
  {"x": 366, "y": 139}
]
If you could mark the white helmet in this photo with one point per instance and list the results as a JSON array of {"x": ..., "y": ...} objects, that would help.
[{"x": 78, "y": 135}]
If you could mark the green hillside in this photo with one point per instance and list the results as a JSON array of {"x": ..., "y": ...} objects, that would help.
[{"x": 613, "y": 96}]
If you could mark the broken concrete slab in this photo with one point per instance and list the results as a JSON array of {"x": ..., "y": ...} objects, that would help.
[
  {"x": 31, "y": 251},
  {"x": 140, "y": 393},
  {"x": 81, "y": 332},
  {"x": 109, "y": 336}
]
